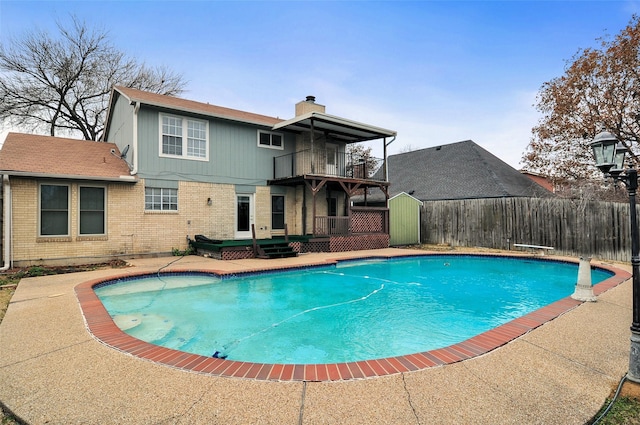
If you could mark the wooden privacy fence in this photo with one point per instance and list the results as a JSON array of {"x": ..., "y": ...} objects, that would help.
[{"x": 572, "y": 227}]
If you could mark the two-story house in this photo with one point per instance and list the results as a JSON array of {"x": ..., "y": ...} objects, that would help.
[{"x": 170, "y": 169}]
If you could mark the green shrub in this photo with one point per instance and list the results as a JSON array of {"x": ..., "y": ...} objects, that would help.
[
  {"x": 37, "y": 271},
  {"x": 181, "y": 253}
]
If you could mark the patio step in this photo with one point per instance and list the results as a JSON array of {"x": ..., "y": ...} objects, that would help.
[{"x": 276, "y": 250}]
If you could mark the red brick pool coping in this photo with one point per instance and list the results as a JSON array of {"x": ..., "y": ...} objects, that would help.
[{"x": 103, "y": 328}]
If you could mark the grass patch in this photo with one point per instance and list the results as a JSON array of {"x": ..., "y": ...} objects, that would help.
[
  {"x": 625, "y": 411},
  {"x": 5, "y": 297},
  {"x": 7, "y": 419}
]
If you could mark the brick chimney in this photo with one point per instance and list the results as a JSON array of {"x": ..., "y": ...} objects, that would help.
[{"x": 308, "y": 105}]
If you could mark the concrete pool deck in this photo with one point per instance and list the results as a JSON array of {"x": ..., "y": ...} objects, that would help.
[{"x": 52, "y": 370}]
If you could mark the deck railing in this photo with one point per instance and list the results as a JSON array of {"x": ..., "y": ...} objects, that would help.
[
  {"x": 331, "y": 225},
  {"x": 362, "y": 220},
  {"x": 327, "y": 162}
]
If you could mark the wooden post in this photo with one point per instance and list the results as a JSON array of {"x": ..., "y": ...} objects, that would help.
[
  {"x": 255, "y": 242},
  {"x": 313, "y": 168},
  {"x": 313, "y": 192}
]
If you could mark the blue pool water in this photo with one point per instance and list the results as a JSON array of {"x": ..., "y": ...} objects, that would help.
[{"x": 356, "y": 310}]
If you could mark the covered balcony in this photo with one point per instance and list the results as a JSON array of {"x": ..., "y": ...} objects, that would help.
[
  {"x": 327, "y": 162},
  {"x": 331, "y": 175}
]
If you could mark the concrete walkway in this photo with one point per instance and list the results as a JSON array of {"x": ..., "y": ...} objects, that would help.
[{"x": 53, "y": 371}]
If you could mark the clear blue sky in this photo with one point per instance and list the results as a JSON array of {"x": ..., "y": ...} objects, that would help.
[{"x": 437, "y": 72}]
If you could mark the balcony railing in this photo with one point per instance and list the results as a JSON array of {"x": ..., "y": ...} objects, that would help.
[{"x": 328, "y": 163}]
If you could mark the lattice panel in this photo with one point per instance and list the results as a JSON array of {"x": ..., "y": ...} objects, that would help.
[
  {"x": 236, "y": 254},
  {"x": 367, "y": 221},
  {"x": 358, "y": 242},
  {"x": 296, "y": 246},
  {"x": 315, "y": 246}
]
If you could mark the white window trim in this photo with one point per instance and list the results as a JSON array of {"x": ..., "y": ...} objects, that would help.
[
  {"x": 185, "y": 132},
  {"x": 161, "y": 211},
  {"x": 69, "y": 194},
  {"x": 280, "y": 148},
  {"x": 105, "y": 210}
]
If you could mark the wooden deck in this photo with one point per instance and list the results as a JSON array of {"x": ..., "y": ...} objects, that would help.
[{"x": 244, "y": 249}]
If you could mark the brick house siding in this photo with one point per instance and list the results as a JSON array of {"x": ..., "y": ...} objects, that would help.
[{"x": 130, "y": 230}]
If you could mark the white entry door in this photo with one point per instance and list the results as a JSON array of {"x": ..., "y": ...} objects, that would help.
[{"x": 244, "y": 215}]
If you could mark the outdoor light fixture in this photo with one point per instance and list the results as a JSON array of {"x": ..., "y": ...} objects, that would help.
[
  {"x": 209, "y": 201},
  {"x": 604, "y": 150},
  {"x": 609, "y": 155}
]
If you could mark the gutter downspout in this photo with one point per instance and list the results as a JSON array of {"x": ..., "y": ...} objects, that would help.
[
  {"x": 6, "y": 205},
  {"x": 134, "y": 158},
  {"x": 384, "y": 147},
  {"x": 386, "y": 172}
]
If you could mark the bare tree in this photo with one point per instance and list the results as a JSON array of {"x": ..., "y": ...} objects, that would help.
[
  {"x": 600, "y": 89},
  {"x": 407, "y": 148},
  {"x": 61, "y": 83},
  {"x": 592, "y": 190},
  {"x": 361, "y": 162}
]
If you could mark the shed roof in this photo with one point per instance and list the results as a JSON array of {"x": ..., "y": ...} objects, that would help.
[
  {"x": 55, "y": 157},
  {"x": 461, "y": 170},
  {"x": 406, "y": 196}
]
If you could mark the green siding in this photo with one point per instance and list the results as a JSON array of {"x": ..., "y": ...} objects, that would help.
[
  {"x": 121, "y": 128},
  {"x": 242, "y": 188},
  {"x": 234, "y": 154},
  {"x": 404, "y": 220}
]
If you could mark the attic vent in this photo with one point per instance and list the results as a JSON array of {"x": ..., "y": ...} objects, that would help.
[{"x": 438, "y": 148}]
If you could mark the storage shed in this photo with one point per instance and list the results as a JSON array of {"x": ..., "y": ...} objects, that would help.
[{"x": 404, "y": 220}]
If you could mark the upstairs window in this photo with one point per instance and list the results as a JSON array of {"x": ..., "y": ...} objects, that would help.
[
  {"x": 171, "y": 136},
  {"x": 196, "y": 139},
  {"x": 267, "y": 139},
  {"x": 183, "y": 137}
]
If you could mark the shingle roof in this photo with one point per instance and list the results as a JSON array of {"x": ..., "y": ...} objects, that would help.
[
  {"x": 46, "y": 156},
  {"x": 462, "y": 170},
  {"x": 177, "y": 103}
]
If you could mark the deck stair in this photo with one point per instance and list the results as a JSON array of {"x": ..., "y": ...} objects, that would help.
[{"x": 277, "y": 249}]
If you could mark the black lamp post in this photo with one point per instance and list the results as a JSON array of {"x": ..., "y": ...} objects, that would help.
[{"x": 609, "y": 155}]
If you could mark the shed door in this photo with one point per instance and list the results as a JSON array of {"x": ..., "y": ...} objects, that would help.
[{"x": 404, "y": 221}]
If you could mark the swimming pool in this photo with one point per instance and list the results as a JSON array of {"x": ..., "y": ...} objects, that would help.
[{"x": 347, "y": 312}]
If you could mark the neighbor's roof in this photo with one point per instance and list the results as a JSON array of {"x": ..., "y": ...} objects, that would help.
[
  {"x": 192, "y": 106},
  {"x": 54, "y": 157},
  {"x": 462, "y": 170},
  {"x": 340, "y": 128}
]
